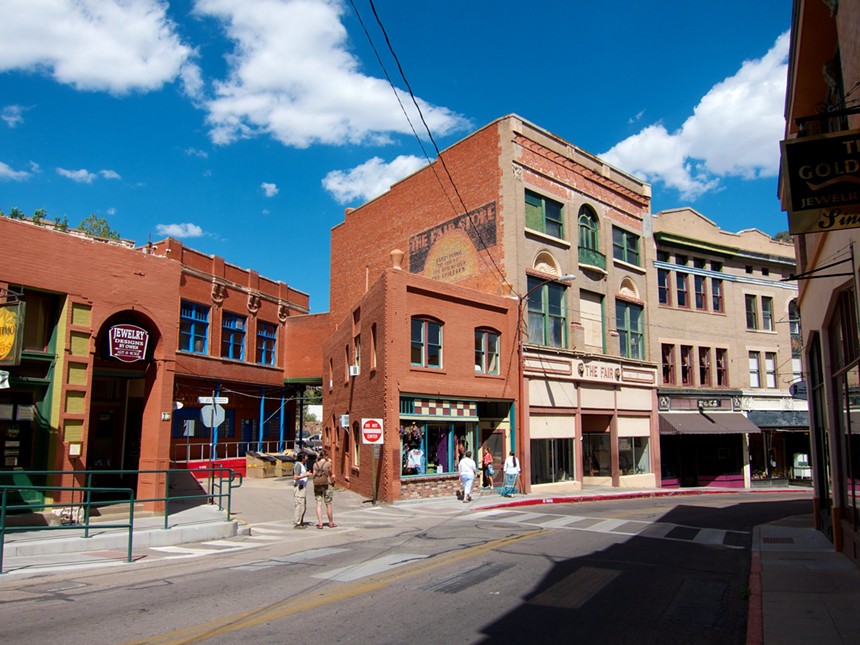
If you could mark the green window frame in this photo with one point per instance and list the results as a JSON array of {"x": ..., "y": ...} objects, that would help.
[
  {"x": 588, "y": 229},
  {"x": 544, "y": 214},
  {"x": 625, "y": 246},
  {"x": 547, "y": 313},
  {"x": 630, "y": 324}
]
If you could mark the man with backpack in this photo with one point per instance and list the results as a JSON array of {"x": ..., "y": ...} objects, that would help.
[{"x": 324, "y": 487}]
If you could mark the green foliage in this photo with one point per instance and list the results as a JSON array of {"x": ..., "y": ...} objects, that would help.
[
  {"x": 782, "y": 236},
  {"x": 98, "y": 227},
  {"x": 39, "y": 216},
  {"x": 61, "y": 224},
  {"x": 16, "y": 213}
]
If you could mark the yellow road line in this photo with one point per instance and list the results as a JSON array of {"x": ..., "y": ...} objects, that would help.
[{"x": 284, "y": 608}]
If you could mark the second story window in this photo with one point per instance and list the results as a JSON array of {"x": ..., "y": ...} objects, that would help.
[
  {"x": 631, "y": 329},
  {"x": 193, "y": 328},
  {"x": 705, "y": 366},
  {"x": 267, "y": 343},
  {"x": 722, "y": 367},
  {"x": 547, "y": 306},
  {"x": 686, "y": 365},
  {"x": 426, "y": 343},
  {"x": 233, "y": 336},
  {"x": 544, "y": 215},
  {"x": 668, "y": 359},
  {"x": 625, "y": 246},
  {"x": 486, "y": 351}
]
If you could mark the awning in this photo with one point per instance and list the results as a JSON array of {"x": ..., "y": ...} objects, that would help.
[{"x": 706, "y": 423}]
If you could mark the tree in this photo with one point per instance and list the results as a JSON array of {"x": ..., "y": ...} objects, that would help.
[
  {"x": 16, "y": 213},
  {"x": 61, "y": 224},
  {"x": 782, "y": 236},
  {"x": 98, "y": 227},
  {"x": 39, "y": 216}
]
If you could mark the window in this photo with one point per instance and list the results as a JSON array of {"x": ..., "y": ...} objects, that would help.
[
  {"x": 664, "y": 287},
  {"x": 717, "y": 295},
  {"x": 701, "y": 297},
  {"x": 267, "y": 342},
  {"x": 625, "y": 246},
  {"x": 544, "y": 215},
  {"x": 193, "y": 328},
  {"x": 40, "y": 319},
  {"x": 793, "y": 318},
  {"x": 486, "y": 351},
  {"x": 668, "y": 358},
  {"x": 630, "y": 326},
  {"x": 432, "y": 447},
  {"x": 722, "y": 367},
  {"x": 686, "y": 365},
  {"x": 588, "y": 238},
  {"x": 755, "y": 369},
  {"x": 373, "y": 346},
  {"x": 233, "y": 336},
  {"x": 591, "y": 317},
  {"x": 356, "y": 351},
  {"x": 547, "y": 313},
  {"x": 634, "y": 456},
  {"x": 752, "y": 313},
  {"x": 705, "y": 366},
  {"x": 767, "y": 313},
  {"x": 770, "y": 369},
  {"x": 681, "y": 289},
  {"x": 426, "y": 343}
]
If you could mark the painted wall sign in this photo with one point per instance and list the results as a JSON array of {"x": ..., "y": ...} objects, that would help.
[
  {"x": 823, "y": 182},
  {"x": 127, "y": 343},
  {"x": 450, "y": 251},
  {"x": 598, "y": 371},
  {"x": 11, "y": 332}
]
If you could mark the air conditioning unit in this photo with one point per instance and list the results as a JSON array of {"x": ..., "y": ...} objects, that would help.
[
  {"x": 344, "y": 421},
  {"x": 353, "y": 370}
]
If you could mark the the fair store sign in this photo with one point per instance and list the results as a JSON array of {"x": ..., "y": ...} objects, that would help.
[{"x": 599, "y": 371}]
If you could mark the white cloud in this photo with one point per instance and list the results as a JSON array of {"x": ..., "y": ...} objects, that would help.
[
  {"x": 194, "y": 152},
  {"x": 179, "y": 230},
  {"x": 109, "y": 174},
  {"x": 8, "y": 173},
  {"x": 269, "y": 189},
  {"x": 292, "y": 77},
  {"x": 13, "y": 115},
  {"x": 112, "y": 45},
  {"x": 81, "y": 176},
  {"x": 734, "y": 131},
  {"x": 370, "y": 179}
]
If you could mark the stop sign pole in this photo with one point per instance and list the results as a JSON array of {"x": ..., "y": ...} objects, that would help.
[{"x": 372, "y": 433}]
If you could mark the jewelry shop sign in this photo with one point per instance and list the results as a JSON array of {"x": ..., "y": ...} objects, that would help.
[
  {"x": 127, "y": 343},
  {"x": 822, "y": 180}
]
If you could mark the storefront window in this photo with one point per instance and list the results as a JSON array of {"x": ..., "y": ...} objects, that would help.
[
  {"x": 552, "y": 460},
  {"x": 434, "y": 448},
  {"x": 597, "y": 460},
  {"x": 634, "y": 455}
]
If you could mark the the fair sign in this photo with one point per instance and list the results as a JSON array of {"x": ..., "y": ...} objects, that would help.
[
  {"x": 127, "y": 343},
  {"x": 371, "y": 431}
]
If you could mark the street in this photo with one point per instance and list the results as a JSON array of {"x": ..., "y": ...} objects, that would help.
[{"x": 665, "y": 570}]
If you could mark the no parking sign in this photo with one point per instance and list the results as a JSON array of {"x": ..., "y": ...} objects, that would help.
[{"x": 371, "y": 431}]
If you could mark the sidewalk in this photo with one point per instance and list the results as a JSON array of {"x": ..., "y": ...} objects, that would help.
[{"x": 801, "y": 591}]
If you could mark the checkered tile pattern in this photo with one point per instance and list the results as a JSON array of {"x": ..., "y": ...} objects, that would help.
[{"x": 445, "y": 408}]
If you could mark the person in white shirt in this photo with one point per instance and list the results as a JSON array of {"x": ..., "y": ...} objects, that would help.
[
  {"x": 512, "y": 473},
  {"x": 300, "y": 482},
  {"x": 468, "y": 470}
]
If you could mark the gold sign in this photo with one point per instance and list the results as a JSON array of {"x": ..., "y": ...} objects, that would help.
[
  {"x": 822, "y": 181},
  {"x": 11, "y": 332}
]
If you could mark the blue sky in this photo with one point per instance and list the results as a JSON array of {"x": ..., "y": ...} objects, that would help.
[{"x": 246, "y": 127}]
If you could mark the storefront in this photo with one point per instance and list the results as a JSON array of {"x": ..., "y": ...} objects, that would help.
[{"x": 781, "y": 452}]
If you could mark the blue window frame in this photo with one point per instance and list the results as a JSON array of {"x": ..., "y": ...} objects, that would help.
[
  {"x": 267, "y": 343},
  {"x": 547, "y": 306},
  {"x": 233, "y": 336},
  {"x": 486, "y": 351},
  {"x": 193, "y": 328},
  {"x": 426, "y": 343}
]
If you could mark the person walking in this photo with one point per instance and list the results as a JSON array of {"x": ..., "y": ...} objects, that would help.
[
  {"x": 512, "y": 473},
  {"x": 488, "y": 471},
  {"x": 300, "y": 485},
  {"x": 324, "y": 479},
  {"x": 468, "y": 470}
]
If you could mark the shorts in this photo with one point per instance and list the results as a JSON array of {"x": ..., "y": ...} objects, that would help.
[{"x": 324, "y": 494}]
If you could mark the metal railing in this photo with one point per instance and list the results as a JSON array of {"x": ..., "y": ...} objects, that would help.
[
  {"x": 231, "y": 449},
  {"x": 85, "y": 496}
]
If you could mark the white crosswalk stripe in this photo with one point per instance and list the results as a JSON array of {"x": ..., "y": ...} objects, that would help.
[{"x": 370, "y": 567}]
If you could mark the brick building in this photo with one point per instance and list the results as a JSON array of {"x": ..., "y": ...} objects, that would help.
[
  {"x": 513, "y": 211},
  {"x": 726, "y": 328},
  {"x": 114, "y": 338},
  {"x": 818, "y": 187}
]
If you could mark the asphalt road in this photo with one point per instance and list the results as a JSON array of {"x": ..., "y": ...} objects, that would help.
[{"x": 666, "y": 570}]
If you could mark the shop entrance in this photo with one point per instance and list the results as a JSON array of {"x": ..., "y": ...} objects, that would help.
[{"x": 113, "y": 439}]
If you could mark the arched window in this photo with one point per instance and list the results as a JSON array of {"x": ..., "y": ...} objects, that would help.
[{"x": 588, "y": 232}]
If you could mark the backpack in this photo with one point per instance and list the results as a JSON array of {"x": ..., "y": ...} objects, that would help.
[{"x": 321, "y": 474}]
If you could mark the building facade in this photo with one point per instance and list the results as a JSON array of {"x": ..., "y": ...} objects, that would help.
[
  {"x": 818, "y": 187},
  {"x": 108, "y": 347},
  {"x": 725, "y": 325},
  {"x": 515, "y": 212}
]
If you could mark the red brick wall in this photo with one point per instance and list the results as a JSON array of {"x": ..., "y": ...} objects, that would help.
[{"x": 304, "y": 337}]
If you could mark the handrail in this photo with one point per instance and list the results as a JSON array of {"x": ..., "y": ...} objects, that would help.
[
  {"x": 202, "y": 451},
  {"x": 84, "y": 504},
  {"x": 221, "y": 483}
]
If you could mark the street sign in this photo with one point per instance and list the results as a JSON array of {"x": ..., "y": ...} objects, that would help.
[
  {"x": 212, "y": 415},
  {"x": 220, "y": 400},
  {"x": 371, "y": 431}
]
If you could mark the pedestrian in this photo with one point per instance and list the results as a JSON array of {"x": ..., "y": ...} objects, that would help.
[
  {"x": 511, "y": 470},
  {"x": 324, "y": 487},
  {"x": 468, "y": 471},
  {"x": 488, "y": 470},
  {"x": 300, "y": 484}
]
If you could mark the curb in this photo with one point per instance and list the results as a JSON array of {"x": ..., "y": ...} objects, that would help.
[{"x": 755, "y": 611}]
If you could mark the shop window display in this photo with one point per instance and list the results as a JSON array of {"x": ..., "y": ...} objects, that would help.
[{"x": 433, "y": 448}]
